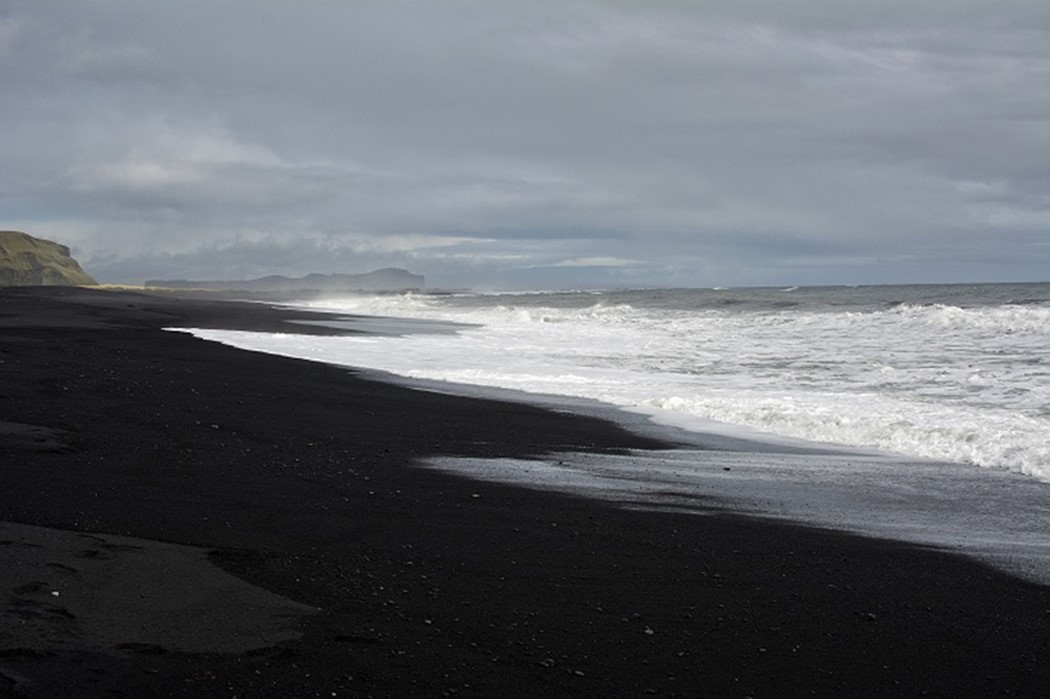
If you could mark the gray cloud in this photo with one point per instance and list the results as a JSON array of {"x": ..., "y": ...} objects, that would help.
[{"x": 524, "y": 143}]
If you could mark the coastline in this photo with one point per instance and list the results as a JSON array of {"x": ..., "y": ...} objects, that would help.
[{"x": 299, "y": 479}]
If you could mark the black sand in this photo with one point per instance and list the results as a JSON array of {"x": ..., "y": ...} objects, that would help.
[{"x": 297, "y": 478}]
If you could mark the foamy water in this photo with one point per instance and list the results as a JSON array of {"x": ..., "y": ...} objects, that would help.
[
  {"x": 915, "y": 413},
  {"x": 956, "y": 373}
]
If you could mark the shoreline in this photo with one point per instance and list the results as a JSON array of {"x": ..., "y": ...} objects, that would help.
[
  {"x": 996, "y": 516},
  {"x": 960, "y": 381},
  {"x": 299, "y": 478}
]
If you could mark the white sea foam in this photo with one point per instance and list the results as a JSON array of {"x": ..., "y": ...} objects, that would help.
[
  {"x": 937, "y": 381},
  {"x": 931, "y": 387}
]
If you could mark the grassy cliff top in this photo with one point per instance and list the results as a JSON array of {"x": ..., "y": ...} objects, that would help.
[{"x": 29, "y": 261}]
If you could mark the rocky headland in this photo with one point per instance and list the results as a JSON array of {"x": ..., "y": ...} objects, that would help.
[{"x": 29, "y": 261}]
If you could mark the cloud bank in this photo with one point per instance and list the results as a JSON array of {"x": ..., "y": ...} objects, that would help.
[{"x": 533, "y": 144}]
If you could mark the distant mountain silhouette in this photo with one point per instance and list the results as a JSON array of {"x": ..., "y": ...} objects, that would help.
[
  {"x": 389, "y": 279},
  {"x": 29, "y": 261}
]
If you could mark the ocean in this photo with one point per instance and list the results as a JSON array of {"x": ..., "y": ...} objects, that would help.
[{"x": 881, "y": 409}]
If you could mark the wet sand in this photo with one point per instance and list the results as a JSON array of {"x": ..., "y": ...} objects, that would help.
[{"x": 283, "y": 543}]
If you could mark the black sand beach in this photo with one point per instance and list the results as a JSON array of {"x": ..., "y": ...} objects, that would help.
[{"x": 182, "y": 518}]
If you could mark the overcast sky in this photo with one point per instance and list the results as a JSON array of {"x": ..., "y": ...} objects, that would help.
[{"x": 533, "y": 144}]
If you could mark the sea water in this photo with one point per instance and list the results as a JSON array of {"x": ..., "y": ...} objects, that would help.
[
  {"x": 954, "y": 373},
  {"x": 920, "y": 389}
]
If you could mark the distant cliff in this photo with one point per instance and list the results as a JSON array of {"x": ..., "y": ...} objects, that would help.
[
  {"x": 390, "y": 279},
  {"x": 29, "y": 261}
]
